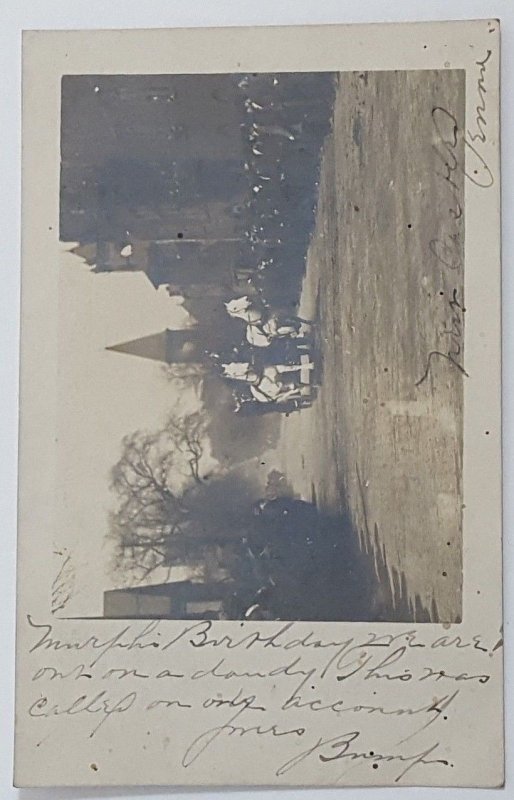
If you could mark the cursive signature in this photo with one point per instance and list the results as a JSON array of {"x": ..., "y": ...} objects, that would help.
[
  {"x": 456, "y": 334},
  {"x": 472, "y": 164},
  {"x": 339, "y": 747},
  {"x": 480, "y": 109}
]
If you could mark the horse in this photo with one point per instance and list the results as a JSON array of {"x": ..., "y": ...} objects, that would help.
[
  {"x": 266, "y": 386},
  {"x": 263, "y": 324}
]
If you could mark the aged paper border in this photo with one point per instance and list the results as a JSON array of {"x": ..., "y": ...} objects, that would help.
[{"x": 48, "y": 55}]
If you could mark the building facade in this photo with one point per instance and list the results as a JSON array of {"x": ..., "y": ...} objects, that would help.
[{"x": 174, "y": 600}]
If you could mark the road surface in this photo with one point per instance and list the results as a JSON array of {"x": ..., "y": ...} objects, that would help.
[{"x": 384, "y": 280}]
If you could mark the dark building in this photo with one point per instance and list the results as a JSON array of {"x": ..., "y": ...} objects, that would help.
[
  {"x": 175, "y": 600},
  {"x": 143, "y": 153},
  {"x": 197, "y": 180},
  {"x": 211, "y": 265}
]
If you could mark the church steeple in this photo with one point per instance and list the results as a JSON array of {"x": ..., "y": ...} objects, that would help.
[{"x": 170, "y": 346}]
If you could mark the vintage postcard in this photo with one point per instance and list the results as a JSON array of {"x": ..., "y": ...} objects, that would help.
[{"x": 260, "y": 486}]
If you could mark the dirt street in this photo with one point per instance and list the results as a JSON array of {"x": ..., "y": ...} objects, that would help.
[{"x": 384, "y": 280}]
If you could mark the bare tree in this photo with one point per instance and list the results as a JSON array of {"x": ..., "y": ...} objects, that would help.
[
  {"x": 187, "y": 435},
  {"x": 152, "y": 480},
  {"x": 169, "y": 511},
  {"x": 189, "y": 374}
]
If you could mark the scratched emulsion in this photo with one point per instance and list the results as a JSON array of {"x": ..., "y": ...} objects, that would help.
[{"x": 385, "y": 281}]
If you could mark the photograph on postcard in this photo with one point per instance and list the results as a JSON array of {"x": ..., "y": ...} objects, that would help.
[
  {"x": 260, "y": 448},
  {"x": 261, "y": 343}
]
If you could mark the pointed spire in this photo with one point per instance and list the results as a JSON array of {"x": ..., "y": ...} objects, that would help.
[{"x": 169, "y": 346}]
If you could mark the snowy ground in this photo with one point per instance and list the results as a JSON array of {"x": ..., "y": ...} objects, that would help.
[{"x": 374, "y": 443}]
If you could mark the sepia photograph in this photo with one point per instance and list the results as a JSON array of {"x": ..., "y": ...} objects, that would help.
[
  {"x": 261, "y": 338},
  {"x": 260, "y": 464}
]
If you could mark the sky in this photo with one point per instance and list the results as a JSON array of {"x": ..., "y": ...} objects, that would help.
[{"x": 102, "y": 396}]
